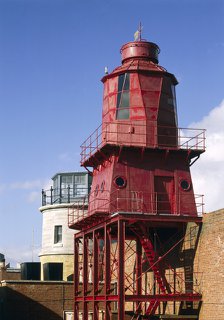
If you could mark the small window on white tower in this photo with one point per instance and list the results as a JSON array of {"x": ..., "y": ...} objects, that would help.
[{"x": 57, "y": 234}]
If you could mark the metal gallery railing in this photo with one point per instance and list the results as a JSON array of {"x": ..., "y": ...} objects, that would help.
[
  {"x": 134, "y": 134},
  {"x": 136, "y": 202},
  {"x": 63, "y": 195}
]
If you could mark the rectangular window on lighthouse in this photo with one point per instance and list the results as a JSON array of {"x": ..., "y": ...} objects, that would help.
[
  {"x": 57, "y": 234},
  {"x": 123, "y": 96}
]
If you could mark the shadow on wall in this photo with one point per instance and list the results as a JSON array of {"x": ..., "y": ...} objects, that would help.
[{"x": 35, "y": 303}]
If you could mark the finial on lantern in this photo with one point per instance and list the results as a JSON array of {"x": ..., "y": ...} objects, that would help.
[
  {"x": 138, "y": 33},
  {"x": 106, "y": 70}
]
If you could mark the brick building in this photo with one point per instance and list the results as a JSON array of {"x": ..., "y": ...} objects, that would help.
[
  {"x": 209, "y": 260},
  {"x": 7, "y": 273},
  {"x": 35, "y": 300}
]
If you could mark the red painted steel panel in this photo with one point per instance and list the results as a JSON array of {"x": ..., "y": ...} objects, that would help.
[
  {"x": 150, "y": 82},
  {"x": 165, "y": 194},
  {"x": 140, "y": 49}
]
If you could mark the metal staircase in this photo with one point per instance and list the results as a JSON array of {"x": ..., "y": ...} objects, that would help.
[{"x": 150, "y": 254}]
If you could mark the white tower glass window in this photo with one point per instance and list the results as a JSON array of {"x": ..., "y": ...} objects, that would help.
[{"x": 67, "y": 188}]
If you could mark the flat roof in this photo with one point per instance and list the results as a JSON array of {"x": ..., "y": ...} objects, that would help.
[{"x": 70, "y": 173}]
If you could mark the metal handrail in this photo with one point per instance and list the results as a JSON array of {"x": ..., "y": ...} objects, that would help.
[
  {"x": 135, "y": 202},
  {"x": 135, "y": 134},
  {"x": 63, "y": 195}
]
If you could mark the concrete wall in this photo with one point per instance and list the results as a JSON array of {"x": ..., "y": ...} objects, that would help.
[
  {"x": 57, "y": 252},
  {"x": 56, "y": 215},
  {"x": 35, "y": 300}
]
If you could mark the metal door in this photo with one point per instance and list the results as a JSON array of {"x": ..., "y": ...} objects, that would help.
[{"x": 164, "y": 194}]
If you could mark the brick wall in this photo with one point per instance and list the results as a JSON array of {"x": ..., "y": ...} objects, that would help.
[
  {"x": 6, "y": 274},
  {"x": 35, "y": 300},
  {"x": 209, "y": 260}
]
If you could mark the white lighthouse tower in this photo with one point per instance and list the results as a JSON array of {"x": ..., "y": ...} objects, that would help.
[{"x": 57, "y": 254}]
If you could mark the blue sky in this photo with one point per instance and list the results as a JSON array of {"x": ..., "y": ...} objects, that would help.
[{"x": 52, "y": 57}]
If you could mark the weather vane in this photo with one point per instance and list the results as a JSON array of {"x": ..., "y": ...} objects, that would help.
[{"x": 138, "y": 33}]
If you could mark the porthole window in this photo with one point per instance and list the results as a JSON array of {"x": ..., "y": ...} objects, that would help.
[
  {"x": 185, "y": 185},
  {"x": 120, "y": 182},
  {"x": 102, "y": 186},
  {"x": 96, "y": 190}
]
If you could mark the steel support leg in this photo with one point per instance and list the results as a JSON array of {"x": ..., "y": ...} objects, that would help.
[
  {"x": 76, "y": 277},
  {"x": 107, "y": 263},
  {"x": 138, "y": 273},
  {"x": 85, "y": 276},
  {"x": 121, "y": 268},
  {"x": 95, "y": 274}
]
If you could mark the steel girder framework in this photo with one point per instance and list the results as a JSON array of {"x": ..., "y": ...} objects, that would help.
[{"x": 128, "y": 269}]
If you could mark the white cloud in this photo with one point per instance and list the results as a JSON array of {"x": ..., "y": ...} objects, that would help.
[
  {"x": 68, "y": 157},
  {"x": 33, "y": 187},
  {"x": 33, "y": 196},
  {"x": 47, "y": 184},
  {"x": 2, "y": 187},
  {"x": 26, "y": 185},
  {"x": 64, "y": 157},
  {"x": 26, "y": 254},
  {"x": 208, "y": 171}
]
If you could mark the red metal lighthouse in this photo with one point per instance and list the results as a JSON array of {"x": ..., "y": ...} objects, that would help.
[{"x": 134, "y": 252}]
